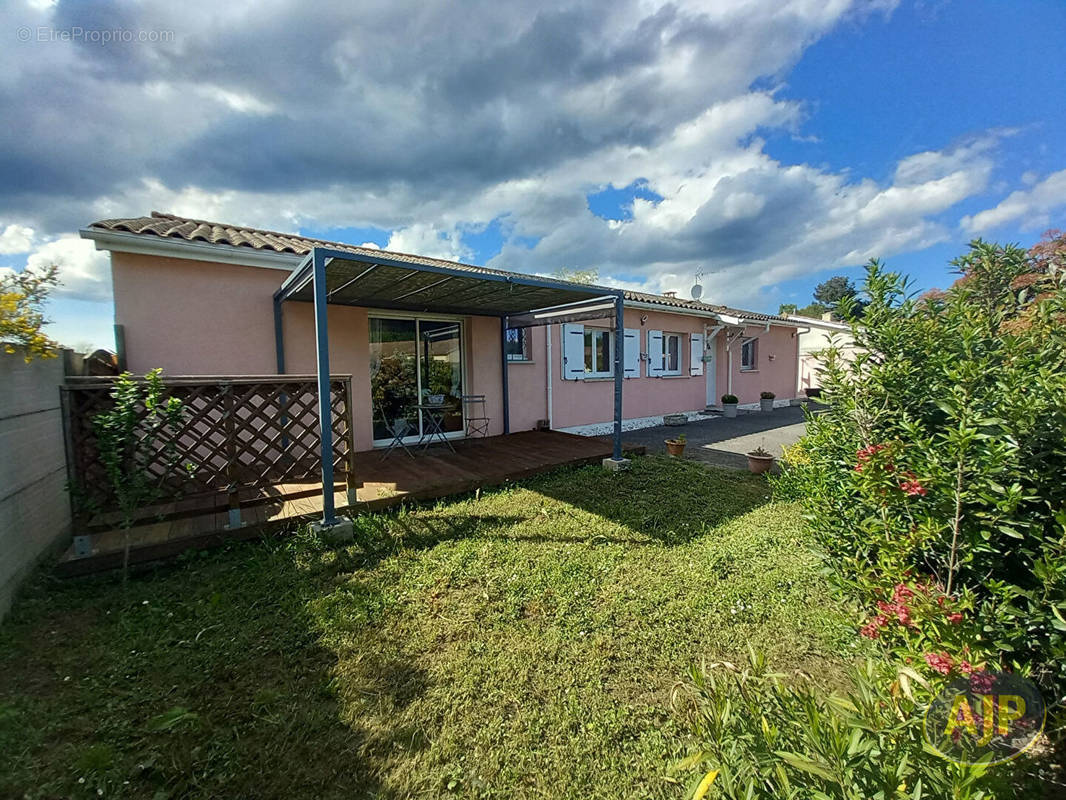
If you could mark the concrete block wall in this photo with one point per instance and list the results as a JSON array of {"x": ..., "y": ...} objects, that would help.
[{"x": 34, "y": 507}]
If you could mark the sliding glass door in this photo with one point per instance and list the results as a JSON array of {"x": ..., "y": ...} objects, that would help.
[{"x": 410, "y": 361}]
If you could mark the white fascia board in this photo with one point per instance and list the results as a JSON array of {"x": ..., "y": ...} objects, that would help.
[
  {"x": 811, "y": 322},
  {"x": 122, "y": 242},
  {"x": 726, "y": 319},
  {"x": 691, "y": 312}
]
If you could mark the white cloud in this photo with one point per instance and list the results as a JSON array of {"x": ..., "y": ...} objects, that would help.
[
  {"x": 1031, "y": 206},
  {"x": 428, "y": 240},
  {"x": 84, "y": 272},
  {"x": 503, "y": 113},
  {"x": 16, "y": 239}
]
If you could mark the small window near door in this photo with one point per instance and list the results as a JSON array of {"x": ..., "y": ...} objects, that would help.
[
  {"x": 599, "y": 352},
  {"x": 518, "y": 344},
  {"x": 671, "y": 354},
  {"x": 749, "y": 355}
]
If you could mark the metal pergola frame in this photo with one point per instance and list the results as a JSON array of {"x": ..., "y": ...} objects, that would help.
[{"x": 495, "y": 293}]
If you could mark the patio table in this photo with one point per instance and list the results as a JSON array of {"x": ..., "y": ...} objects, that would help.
[{"x": 433, "y": 424}]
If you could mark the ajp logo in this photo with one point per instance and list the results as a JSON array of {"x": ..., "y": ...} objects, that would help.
[{"x": 988, "y": 717}]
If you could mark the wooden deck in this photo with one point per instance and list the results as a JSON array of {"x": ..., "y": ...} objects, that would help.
[{"x": 381, "y": 483}]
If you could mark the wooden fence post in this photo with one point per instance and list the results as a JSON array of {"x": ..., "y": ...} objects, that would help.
[{"x": 229, "y": 414}]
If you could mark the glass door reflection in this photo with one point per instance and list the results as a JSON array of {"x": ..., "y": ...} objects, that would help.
[
  {"x": 410, "y": 361},
  {"x": 440, "y": 362}
]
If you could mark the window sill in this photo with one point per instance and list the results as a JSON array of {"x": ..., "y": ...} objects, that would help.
[
  {"x": 521, "y": 361},
  {"x": 597, "y": 378},
  {"x": 749, "y": 371},
  {"x": 669, "y": 377}
]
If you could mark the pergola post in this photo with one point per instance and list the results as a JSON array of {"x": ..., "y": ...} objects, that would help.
[
  {"x": 504, "y": 376},
  {"x": 619, "y": 361},
  {"x": 325, "y": 407}
]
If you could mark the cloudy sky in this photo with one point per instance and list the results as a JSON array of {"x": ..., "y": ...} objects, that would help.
[{"x": 767, "y": 143}]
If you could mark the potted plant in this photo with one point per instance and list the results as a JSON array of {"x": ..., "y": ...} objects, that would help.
[
  {"x": 766, "y": 401},
  {"x": 729, "y": 405},
  {"x": 759, "y": 461},
  {"x": 676, "y": 447}
]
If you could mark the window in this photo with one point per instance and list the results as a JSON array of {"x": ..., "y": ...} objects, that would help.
[
  {"x": 518, "y": 344},
  {"x": 671, "y": 354},
  {"x": 749, "y": 355},
  {"x": 599, "y": 353}
]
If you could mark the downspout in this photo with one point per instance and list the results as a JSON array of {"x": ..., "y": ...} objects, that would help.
[
  {"x": 799, "y": 357},
  {"x": 548, "y": 359}
]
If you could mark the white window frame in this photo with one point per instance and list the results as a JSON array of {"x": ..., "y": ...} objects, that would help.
[
  {"x": 749, "y": 364},
  {"x": 597, "y": 370},
  {"x": 679, "y": 337},
  {"x": 523, "y": 338}
]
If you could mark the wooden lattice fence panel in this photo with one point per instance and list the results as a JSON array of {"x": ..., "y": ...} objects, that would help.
[{"x": 237, "y": 433}]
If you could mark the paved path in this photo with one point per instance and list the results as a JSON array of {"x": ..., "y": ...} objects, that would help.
[{"x": 724, "y": 442}]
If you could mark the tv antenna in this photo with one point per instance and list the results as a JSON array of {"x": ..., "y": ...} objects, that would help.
[{"x": 696, "y": 292}]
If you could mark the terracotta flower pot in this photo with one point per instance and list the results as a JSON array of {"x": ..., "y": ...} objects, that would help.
[
  {"x": 675, "y": 448},
  {"x": 759, "y": 464}
]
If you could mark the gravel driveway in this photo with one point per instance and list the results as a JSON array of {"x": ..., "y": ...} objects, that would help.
[{"x": 723, "y": 442}]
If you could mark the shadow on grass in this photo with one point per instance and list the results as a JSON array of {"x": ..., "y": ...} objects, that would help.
[
  {"x": 210, "y": 679},
  {"x": 664, "y": 499}
]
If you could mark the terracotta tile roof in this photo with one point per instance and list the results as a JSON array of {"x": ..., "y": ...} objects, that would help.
[{"x": 171, "y": 226}]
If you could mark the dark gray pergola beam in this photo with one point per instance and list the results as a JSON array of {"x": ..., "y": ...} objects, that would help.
[{"x": 325, "y": 410}]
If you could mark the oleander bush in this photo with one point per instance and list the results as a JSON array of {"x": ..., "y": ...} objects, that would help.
[
  {"x": 933, "y": 481},
  {"x": 761, "y": 734}
]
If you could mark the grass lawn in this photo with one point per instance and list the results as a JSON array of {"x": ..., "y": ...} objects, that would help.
[{"x": 520, "y": 644}]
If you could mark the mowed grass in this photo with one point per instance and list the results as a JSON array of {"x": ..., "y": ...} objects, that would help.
[{"x": 523, "y": 644}]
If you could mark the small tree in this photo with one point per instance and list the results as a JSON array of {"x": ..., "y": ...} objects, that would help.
[
  {"x": 22, "y": 297},
  {"x": 129, "y": 437}
]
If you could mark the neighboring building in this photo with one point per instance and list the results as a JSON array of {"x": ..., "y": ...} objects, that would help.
[
  {"x": 815, "y": 336},
  {"x": 195, "y": 298}
]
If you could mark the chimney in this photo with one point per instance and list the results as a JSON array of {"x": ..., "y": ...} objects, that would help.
[{"x": 672, "y": 295}]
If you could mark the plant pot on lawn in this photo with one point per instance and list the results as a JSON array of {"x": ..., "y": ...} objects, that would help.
[
  {"x": 759, "y": 461},
  {"x": 729, "y": 405},
  {"x": 676, "y": 447},
  {"x": 766, "y": 401}
]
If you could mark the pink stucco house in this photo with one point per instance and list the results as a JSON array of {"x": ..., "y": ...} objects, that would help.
[{"x": 202, "y": 298}]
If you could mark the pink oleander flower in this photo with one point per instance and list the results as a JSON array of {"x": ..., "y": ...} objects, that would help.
[
  {"x": 901, "y": 593},
  {"x": 913, "y": 488},
  {"x": 981, "y": 682},
  {"x": 941, "y": 662},
  {"x": 954, "y": 618},
  {"x": 965, "y": 667}
]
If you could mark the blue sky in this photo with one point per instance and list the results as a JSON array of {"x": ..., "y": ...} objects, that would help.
[{"x": 768, "y": 144}]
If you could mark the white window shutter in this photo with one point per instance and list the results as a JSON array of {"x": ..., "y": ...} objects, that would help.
[
  {"x": 655, "y": 354},
  {"x": 573, "y": 352},
  {"x": 631, "y": 354},
  {"x": 695, "y": 365}
]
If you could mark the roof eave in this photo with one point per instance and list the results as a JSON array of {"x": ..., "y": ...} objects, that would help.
[{"x": 154, "y": 245}]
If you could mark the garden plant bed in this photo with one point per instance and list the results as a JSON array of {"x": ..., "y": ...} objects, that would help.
[{"x": 520, "y": 644}]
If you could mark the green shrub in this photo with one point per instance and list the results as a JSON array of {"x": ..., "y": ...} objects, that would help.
[
  {"x": 938, "y": 465},
  {"x": 762, "y": 737},
  {"x": 728, "y": 399}
]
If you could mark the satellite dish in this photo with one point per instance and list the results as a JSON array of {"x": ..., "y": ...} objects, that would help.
[{"x": 696, "y": 291}]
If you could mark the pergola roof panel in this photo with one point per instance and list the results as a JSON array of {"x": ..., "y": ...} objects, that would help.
[{"x": 365, "y": 280}]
